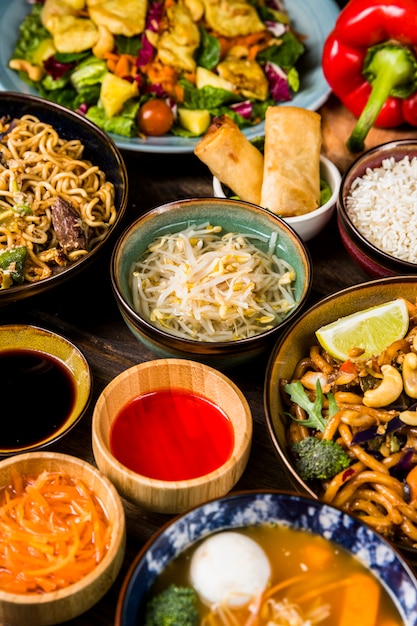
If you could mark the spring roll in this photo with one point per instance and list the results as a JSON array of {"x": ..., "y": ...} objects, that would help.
[
  {"x": 232, "y": 158},
  {"x": 291, "y": 177}
]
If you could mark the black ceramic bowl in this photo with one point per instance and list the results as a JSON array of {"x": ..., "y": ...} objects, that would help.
[
  {"x": 99, "y": 149},
  {"x": 377, "y": 259}
]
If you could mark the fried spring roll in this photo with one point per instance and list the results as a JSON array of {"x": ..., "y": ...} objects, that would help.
[
  {"x": 232, "y": 158},
  {"x": 291, "y": 177}
]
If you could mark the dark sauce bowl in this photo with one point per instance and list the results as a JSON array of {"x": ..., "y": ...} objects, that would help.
[{"x": 46, "y": 384}]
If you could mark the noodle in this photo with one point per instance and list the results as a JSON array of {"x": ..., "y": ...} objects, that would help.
[
  {"x": 200, "y": 285},
  {"x": 380, "y": 445},
  {"x": 37, "y": 168}
]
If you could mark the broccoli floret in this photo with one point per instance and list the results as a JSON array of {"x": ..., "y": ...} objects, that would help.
[
  {"x": 319, "y": 458},
  {"x": 175, "y": 606}
]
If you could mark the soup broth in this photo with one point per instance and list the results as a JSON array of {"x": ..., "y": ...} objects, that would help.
[{"x": 313, "y": 580}]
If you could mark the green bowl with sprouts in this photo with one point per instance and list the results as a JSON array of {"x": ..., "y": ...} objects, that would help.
[{"x": 210, "y": 279}]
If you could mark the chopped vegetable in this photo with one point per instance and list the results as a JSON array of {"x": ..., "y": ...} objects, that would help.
[
  {"x": 319, "y": 459},
  {"x": 161, "y": 59},
  {"x": 12, "y": 266},
  {"x": 360, "y": 601},
  {"x": 53, "y": 532},
  {"x": 175, "y": 606}
]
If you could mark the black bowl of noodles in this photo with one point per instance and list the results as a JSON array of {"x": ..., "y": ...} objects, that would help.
[
  {"x": 213, "y": 280},
  {"x": 375, "y": 482},
  {"x": 63, "y": 192}
]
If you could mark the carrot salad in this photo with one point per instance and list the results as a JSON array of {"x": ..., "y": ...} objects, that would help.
[{"x": 53, "y": 532}]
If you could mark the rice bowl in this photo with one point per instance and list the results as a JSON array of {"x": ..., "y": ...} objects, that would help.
[{"x": 376, "y": 207}]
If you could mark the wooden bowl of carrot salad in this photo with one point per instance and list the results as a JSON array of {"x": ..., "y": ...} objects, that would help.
[{"x": 62, "y": 538}]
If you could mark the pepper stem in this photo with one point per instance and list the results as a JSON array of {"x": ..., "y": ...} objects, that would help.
[{"x": 391, "y": 66}]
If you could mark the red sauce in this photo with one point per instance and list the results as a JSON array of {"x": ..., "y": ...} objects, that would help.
[{"x": 172, "y": 434}]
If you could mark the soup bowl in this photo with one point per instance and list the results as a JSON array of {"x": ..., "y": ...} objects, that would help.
[
  {"x": 56, "y": 380},
  {"x": 58, "y": 602},
  {"x": 242, "y": 510},
  {"x": 311, "y": 224},
  {"x": 294, "y": 346},
  {"x": 101, "y": 151},
  {"x": 232, "y": 216},
  {"x": 189, "y": 443}
]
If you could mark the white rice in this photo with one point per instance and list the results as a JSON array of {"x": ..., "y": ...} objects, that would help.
[{"x": 382, "y": 204}]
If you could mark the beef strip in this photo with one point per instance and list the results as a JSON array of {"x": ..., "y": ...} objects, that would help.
[{"x": 67, "y": 226}]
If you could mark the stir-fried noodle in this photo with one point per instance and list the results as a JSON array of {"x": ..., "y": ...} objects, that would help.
[
  {"x": 202, "y": 285},
  {"x": 380, "y": 484},
  {"x": 38, "y": 168}
]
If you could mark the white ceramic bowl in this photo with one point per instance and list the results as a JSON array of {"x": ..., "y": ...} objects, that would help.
[{"x": 309, "y": 225}]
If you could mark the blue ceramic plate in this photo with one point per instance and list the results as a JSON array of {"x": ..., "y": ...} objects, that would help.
[
  {"x": 248, "y": 508},
  {"x": 315, "y": 18}
]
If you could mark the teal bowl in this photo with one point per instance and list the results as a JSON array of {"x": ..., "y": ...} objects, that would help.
[{"x": 232, "y": 216}]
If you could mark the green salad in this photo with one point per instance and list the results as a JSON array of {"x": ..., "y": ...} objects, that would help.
[{"x": 147, "y": 68}]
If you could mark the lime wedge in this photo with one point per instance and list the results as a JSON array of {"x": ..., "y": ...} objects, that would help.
[{"x": 371, "y": 330}]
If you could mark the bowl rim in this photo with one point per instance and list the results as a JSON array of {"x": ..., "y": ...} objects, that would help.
[
  {"x": 311, "y": 215},
  {"x": 241, "y": 445},
  {"x": 65, "y": 429},
  {"x": 351, "y": 230},
  {"x": 289, "y": 494},
  {"x": 88, "y": 579},
  {"x": 129, "y": 311},
  {"x": 17, "y": 292}
]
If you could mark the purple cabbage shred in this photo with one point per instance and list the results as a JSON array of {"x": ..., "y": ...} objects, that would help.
[{"x": 278, "y": 82}]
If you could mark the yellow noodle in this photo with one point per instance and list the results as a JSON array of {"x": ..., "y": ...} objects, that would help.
[{"x": 37, "y": 166}]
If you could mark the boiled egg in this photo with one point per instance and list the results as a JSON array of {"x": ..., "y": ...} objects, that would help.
[{"x": 229, "y": 568}]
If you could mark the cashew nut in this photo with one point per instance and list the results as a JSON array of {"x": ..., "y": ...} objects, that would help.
[
  {"x": 35, "y": 72},
  {"x": 389, "y": 389},
  {"x": 310, "y": 378},
  {"x": 410, "y": 374},
  {"x": 408, "y": 417}
]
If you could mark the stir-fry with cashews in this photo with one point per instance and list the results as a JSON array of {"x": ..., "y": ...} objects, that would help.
[{"x": 367, "y": 409}]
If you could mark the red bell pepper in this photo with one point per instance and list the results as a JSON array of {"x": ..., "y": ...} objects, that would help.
[{"x": 369, "y": 61}]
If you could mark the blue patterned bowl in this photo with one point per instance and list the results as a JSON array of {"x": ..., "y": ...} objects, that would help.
[{"x": 241, "y": 509}]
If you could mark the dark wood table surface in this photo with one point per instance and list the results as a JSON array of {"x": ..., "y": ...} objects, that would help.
[{"x": 84, "y": 311}]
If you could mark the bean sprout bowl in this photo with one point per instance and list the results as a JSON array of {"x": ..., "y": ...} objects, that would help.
[
  {"x": 376, "y": 209},
  {"x": 231, "y": 272}
]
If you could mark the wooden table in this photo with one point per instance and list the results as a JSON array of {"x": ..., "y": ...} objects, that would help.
[{"x": 84, "y": 310}]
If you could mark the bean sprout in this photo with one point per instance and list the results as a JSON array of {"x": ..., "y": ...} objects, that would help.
[{"x": 201, "y": 285}]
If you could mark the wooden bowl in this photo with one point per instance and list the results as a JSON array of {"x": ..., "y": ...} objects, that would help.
[
  {"x": 172, "y": 496},
  {"x": 65, "y": 604}
]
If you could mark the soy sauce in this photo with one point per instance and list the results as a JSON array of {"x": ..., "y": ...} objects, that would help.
[{"x": 37, "y": 396}]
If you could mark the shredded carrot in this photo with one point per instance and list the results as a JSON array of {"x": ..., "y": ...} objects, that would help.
[
  {"x": 53, "y": 531},
  {"x": 122, "y": 65}
]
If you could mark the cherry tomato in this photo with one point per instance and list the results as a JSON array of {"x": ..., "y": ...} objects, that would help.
[{"x": 155, "y": 118}]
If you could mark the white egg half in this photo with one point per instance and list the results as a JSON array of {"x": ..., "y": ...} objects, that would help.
[{"x": 229, "y": 568}]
